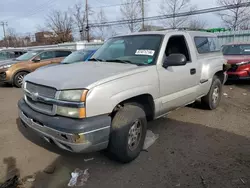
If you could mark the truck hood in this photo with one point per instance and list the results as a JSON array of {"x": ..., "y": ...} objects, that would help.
[
  {"x": 46, "y": 66},
  {"x": 78, "y": 75},
  {"x": 233, "y": 59},
  {"x": 8, "y": 62}
]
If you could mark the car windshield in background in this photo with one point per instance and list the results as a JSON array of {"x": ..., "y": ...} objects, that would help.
[
  {"x": 77, "y": 56},
  {"x": 239, "y": 49},
  {"x": 135, "y": 49},
  {"x": 5, "y": 55},
  {"x": 27, "y": 56}
]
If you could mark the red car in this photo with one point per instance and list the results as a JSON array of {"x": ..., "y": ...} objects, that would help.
[{"x": 238, "y": 55}]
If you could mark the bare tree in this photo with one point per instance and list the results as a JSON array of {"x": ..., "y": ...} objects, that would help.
[
  {"x": 11, "y": 37},
  {"x": 197, "y": 24},
  {"x": 245, "y": 26},
  {"x": 61, "y": 23},
  {"x": 16, "y": 40},
  {"x": 79, "y": 17},
  {"x": 234, "y": 18},
  {"x": 102, "y": 31},
  {"x": 174, "y": 7},
  {"x": 131, "y": 10}
]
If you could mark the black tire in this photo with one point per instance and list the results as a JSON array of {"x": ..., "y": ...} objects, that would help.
[
  {"x": 17, "y": 79},
  {"x": 208, "y": 101},
  {"x": 122, "y": 123}
]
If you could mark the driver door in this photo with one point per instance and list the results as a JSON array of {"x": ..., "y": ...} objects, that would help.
[{"x": 177, "y": 83}]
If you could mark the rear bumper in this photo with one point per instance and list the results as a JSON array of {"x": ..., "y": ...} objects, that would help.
[{"x": 75, "y": 135}]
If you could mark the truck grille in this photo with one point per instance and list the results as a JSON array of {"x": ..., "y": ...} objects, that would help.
[
  {"x": 41, "y": 91},
  {"x": 39, "y": 105}
]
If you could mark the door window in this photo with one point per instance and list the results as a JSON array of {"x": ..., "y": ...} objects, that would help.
[
  {"x": 207, "y": 44},
  {"x": 62, "y": 53},
  {"x": 177, "y": 45},
  {"x": 47, "y": 55}
]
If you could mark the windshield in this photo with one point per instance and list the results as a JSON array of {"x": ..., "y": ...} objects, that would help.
[
  {"x": 77, "y": 56},
  {"x": 4, "y": 55},
  {"x": 27, "y": 56},
  {"x": 136, "y": 49},
  {"x": 239, "y": 49}
]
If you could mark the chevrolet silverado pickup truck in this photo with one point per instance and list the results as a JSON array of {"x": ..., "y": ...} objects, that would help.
[{"x": 131, "y": 79}]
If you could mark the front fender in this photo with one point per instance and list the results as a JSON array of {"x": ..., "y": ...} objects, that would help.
[
  {"x": 17, "y": 71},
  {"x": 103, "y": 98},
  {"x": 99, "y": 102},
  {"x": 128, "y": 94}
]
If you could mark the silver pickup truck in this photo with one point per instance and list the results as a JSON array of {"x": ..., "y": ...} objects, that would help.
[{"x": 105, "y": 103}]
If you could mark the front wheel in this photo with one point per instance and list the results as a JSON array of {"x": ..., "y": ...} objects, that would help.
[
  {"x": 128, "y": 133},
  {"x": 18, "y": 79},
  {"x": 212, "y": 99}
]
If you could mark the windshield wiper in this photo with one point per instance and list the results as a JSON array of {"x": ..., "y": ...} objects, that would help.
[
  {"x": 96, "y": 59},
  {"x": 122, "y": 61}
]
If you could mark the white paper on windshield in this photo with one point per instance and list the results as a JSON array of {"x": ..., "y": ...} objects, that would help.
[{"x": 145, "y": 52}]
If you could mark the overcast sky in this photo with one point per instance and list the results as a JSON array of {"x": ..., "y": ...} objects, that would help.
[{"x": 25, "y": 15}]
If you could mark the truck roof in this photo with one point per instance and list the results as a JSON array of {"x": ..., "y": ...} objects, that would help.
[{"x": 164, "y": 32}]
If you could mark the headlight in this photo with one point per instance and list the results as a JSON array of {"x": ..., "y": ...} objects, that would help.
[
  {"x": 71, "y": 112},
  {"x": 73, "y": 95},
  {"x": 5, "y": 66},
  {"x": 243, "y": 63}
]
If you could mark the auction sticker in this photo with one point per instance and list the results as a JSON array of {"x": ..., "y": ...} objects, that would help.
[{"x": 145, "y": 52}]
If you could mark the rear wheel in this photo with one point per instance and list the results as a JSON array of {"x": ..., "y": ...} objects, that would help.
[
  {"x": 128, "y": 133},
  {"x": 18, "y": 79},
  {"x": 212, "y": 99}
]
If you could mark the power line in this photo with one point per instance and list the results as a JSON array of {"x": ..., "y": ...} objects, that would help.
[
  {"x": 116, "y": 5},
  {"x": 189, "y": 13}
]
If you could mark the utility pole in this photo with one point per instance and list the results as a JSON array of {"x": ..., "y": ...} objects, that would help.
[
  {"x": 3, "y": 24},
  {"x": 142, "y": 14},
  {"x": 87, "y": 19}
]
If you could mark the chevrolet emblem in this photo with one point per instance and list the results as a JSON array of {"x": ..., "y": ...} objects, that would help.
[{"x": 34, "y": 96}]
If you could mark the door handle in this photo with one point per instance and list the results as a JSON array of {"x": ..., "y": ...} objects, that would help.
[{"x": 192, "y": 71}]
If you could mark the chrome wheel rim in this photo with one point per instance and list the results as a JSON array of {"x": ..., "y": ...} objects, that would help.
[
  {"x": 134, "y": 135},
  {"x": 216, "y": 94},
  {"x": 20, "y": 79}
]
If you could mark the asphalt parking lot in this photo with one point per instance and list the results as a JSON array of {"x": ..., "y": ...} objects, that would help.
[{"x": 196, "y": 148}]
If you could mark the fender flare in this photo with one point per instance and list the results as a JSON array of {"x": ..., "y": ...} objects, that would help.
[{"x": 16, "y": 72}]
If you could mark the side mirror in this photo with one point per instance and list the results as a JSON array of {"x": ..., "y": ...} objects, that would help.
[
  {"x": 36, "y": 59},
  {"x": 175, "y": 60}
]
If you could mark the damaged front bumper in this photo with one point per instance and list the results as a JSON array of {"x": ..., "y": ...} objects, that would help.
[{"x": 75, "y": 135}]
